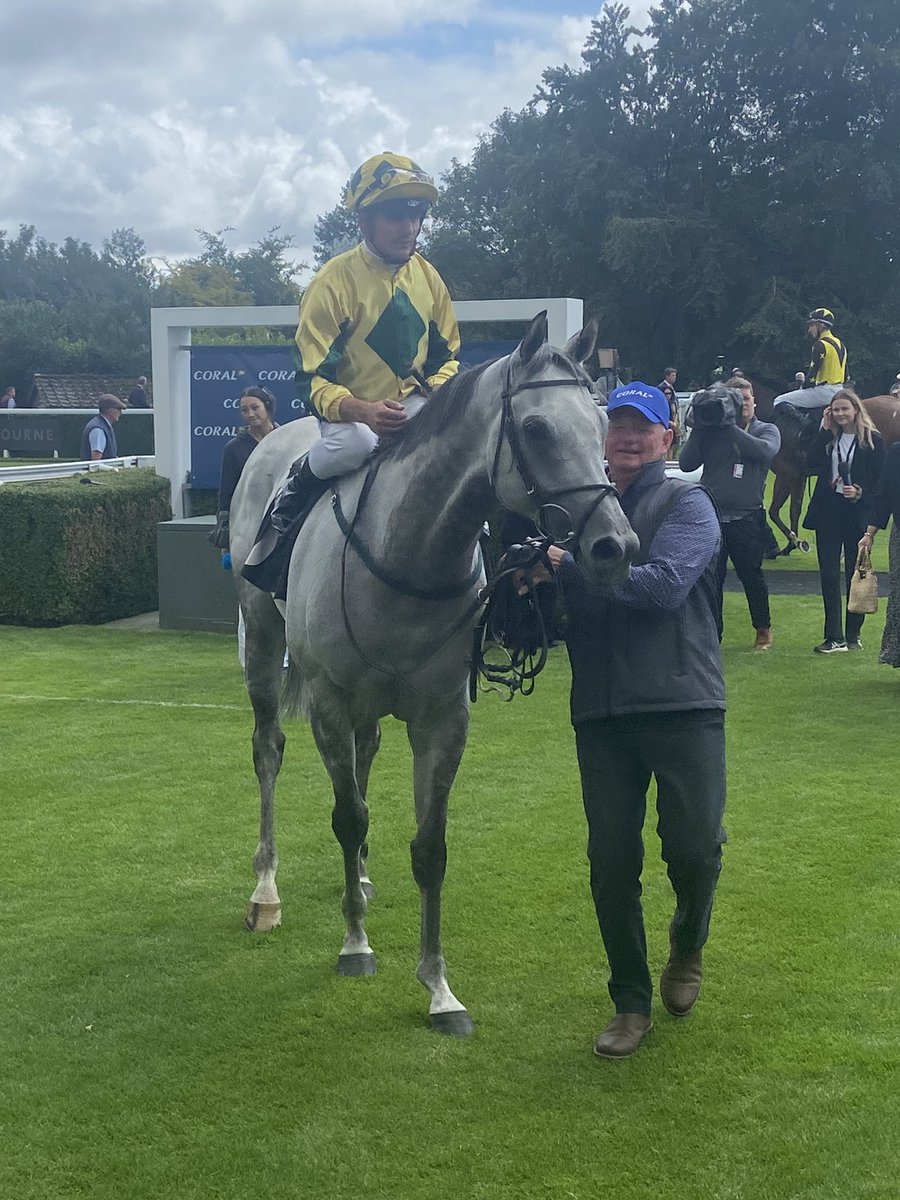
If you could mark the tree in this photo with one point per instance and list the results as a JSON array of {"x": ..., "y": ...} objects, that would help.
[
  {"x": 335, "y": 232},
  {"x": 262, "y": 271},
  {"x": 701, "y": 188},
  {"x": 199, "y": 284}
]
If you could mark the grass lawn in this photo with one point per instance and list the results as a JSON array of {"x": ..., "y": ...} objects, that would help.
[{"x": 152, "y": 1048}]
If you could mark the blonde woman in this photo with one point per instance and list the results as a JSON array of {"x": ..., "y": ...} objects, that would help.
[{"x": 848, "y": 457}]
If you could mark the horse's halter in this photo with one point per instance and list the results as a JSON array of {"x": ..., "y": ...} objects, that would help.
[{"x": 543, "y": 498}]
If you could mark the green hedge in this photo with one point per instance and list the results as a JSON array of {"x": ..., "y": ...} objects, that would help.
[{"x": 77, "y": 552}]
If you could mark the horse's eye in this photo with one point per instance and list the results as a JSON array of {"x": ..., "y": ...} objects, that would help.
[{"x": 537, "y": 429}]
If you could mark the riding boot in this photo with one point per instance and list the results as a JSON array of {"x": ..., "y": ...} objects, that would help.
[
  {"x": 300, "y": 486},
  {"x": 809, "y": 420},
  {"x": 268, "y": 561}
]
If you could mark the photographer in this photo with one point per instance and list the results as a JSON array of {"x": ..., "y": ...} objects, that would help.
[{"x": 735, "y": 449}]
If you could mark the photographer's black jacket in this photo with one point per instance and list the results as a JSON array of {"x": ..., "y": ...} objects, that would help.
[{"x": 717, "y": 450}]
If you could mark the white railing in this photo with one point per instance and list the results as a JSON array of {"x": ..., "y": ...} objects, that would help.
[{"x": 62, "y": 470}]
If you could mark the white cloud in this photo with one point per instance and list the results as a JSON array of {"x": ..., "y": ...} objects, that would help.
[{"x": 248, "y": 113}]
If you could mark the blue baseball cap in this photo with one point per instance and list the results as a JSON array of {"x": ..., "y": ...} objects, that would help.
[{"x": 648, "y": 400}]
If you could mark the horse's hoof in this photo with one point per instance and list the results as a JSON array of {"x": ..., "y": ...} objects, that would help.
[
  {"x": 356, "y": 964},
  {"x": 368, "y": 888},
  {"x": 453, "y": 1024},
  {"x": 262, "y": 918}
]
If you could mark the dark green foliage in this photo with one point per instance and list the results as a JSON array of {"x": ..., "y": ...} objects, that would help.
[
  {"x": 335, "y": 232},
  {"x": 221, "y": 276},
  {"x": 80, "y": 553},
  {"x": 703, "y": 188},
  {"x": 69, "y": 308}
]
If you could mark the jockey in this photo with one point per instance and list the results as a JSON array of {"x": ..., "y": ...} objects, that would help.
[
  {"x": 374, "y": 323},
  {"x": 827, "y": 370}
]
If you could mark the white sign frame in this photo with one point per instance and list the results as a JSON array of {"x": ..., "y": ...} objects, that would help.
[{"x": 170, "y": 339}]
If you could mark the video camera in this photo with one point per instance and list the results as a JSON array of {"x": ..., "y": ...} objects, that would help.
[{"x": 716, "y": 407}]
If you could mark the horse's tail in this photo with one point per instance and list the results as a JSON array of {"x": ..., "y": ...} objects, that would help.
[{"x": 293, "y": 692}]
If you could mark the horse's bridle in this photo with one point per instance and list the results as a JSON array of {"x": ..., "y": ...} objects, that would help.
[{"x": 541, "y": 496}]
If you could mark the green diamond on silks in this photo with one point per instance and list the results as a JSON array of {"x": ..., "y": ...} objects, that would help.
[{"x": 397, "y": 333}]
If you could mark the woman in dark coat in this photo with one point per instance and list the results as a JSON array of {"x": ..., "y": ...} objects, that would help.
[
  {"x": 258, "y": 412},
  {"x": 887, "y": 506},
  {"x": 848, "y": 457}
]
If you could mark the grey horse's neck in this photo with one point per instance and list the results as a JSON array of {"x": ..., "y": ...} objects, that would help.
[{"x": 439, "y": 495}]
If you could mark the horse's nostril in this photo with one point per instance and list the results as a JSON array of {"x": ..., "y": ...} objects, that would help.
[{"x": 605, "y": 549}]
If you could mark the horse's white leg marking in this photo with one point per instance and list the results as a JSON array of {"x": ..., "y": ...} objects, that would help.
[
  {"x": 438, "y": 740},
  {"x": 337, "y": 743},
  {"x": 264, "y": 656}
]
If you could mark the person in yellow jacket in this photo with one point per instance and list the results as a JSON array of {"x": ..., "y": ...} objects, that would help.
[
  {"x": 374, "y": 323},
  {"x": 827, "y": 371}
]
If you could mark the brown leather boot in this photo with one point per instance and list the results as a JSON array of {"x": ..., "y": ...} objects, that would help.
[
  {"x": 679, "y": 984},
  {"x": 622, "y": 1036},
  {"x": 763, "y": 639}
]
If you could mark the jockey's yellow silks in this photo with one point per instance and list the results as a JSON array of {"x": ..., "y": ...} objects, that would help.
[
  {"x": 364, "y": 326},
  {"x": 832, "y": 367}
]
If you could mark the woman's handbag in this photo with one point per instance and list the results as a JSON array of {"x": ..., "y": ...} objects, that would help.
[{"x": 863, "y": 586}]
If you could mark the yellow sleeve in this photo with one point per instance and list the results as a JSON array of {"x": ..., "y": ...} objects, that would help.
[
  {"x": 443, "y": 346},
  {"x": 321, "y": 343}
]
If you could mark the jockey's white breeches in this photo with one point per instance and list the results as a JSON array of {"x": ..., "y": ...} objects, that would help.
[
  {"x": 345, "y": 445},
  {"x": 819, "y": 396}
]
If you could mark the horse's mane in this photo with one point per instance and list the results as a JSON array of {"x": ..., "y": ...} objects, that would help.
[{"x": 449, "y": 401}]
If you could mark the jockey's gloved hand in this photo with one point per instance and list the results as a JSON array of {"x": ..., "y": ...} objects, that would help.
[{"x": 226, "y": 561}]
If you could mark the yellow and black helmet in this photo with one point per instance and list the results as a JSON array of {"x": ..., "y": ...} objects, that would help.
[
  {"x": 823, "y": 316},
  {"x": 389, "y": 176}
]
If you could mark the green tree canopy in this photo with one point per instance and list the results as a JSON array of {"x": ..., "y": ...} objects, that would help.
[
  {"x": 702, "y": 186},
  {"x": 70, "y": 308}
]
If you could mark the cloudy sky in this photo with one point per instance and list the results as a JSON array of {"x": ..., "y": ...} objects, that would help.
[{"x": 168, "y": 116}]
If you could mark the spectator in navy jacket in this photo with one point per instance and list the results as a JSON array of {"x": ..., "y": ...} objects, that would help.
[{"x": 98, "y": 439}]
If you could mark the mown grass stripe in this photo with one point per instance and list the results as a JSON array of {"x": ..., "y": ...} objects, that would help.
[{"x": 104, "y": 700}]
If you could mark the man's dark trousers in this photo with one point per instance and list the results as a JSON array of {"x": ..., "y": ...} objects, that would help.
[
  {"x": 744, "y": 542},
  {"x": 617, "y": 755}
]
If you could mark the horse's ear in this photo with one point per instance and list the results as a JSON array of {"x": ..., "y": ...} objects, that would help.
[
  {"x": 535, "y": 337},
  {"x": 580, "y": 347}
]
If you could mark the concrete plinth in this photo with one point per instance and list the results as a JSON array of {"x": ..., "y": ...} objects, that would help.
[{"x": 194, "y": 591}]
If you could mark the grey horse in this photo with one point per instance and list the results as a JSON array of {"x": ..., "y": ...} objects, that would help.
[{"x": 383, "y": 595}]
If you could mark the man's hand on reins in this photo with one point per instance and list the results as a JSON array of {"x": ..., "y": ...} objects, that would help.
[{"x": 525, "y": 579}]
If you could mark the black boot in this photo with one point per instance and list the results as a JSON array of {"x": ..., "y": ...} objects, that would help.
[
  {"x": 301, "y": 486},
  {"x": 268, "y": 561}
]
